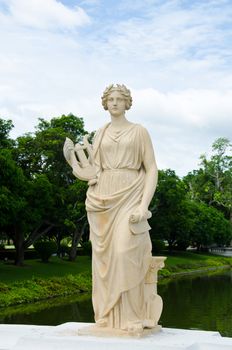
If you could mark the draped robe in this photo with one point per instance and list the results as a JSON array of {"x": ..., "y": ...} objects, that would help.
[{"x": 120, "y": 259}]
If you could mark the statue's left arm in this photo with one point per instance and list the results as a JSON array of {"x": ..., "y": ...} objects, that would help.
[{"x": 151, "y": 175}]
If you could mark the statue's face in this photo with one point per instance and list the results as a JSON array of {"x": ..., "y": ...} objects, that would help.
[{"x": 116, "y": 103}]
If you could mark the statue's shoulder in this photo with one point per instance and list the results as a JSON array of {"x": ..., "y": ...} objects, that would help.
[
  {"x": 143, "y": 134},
  {"x": 100, "y": 131},
  {"x": 98, "y": 136},
  {"x": 103, "y": 127},
  {"x": 141, "y": 129}
]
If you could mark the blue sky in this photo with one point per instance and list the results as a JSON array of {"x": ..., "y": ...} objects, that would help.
[{"x": 176, "y": 57}]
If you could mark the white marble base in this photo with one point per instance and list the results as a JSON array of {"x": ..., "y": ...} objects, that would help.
[
  {"x": 97, "y": 331},
  {"x": 65, "y": 337}
]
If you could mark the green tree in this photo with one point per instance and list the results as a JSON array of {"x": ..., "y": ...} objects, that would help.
[
  {"x": 12, "y": 185},
  {"x": 212, "y": 183},
  {"x": 26, "y": 205},
  {"x": 209, "y": 226},
  {"x": 170, "y": 220},
  {"x": 5, "y": 143},
  {"x": 76, "y": 219},
  {"x": 42, "y": 153},
  {"x": 70, "y": 192},
  {"x": 5, "y": 127}
]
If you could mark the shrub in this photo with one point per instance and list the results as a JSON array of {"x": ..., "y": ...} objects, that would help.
[
  {"x": 4, "y": 287},
  {"x": 157, "y": 246},
  {"x": 45, "y": 249},
  {"x": 30, "y": 254},
  {"x": 182, "y": 245},
  {"x": 87, "y": 248},
  {"x": 64, "y": 249},
  {"x": 9, "y": 254}
]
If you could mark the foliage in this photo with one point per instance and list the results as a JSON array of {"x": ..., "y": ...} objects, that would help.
[
  {"x": 61, "y": 277},
  {"x": 212, "y": 183},
  {"x": 187, "y": 262},
  {"x": 64, "y": 249},
  {"x": 170, "y": 220},
  {"x": 4, "y": 287},
  {"x": 24, "y": 213},
  {"x": 209, "y": 226},
  {"x": 182, "y": 220},
  {"x": 38, "y": 289},
  {"x": 87, "y": 248},
  {"x": 40, "y": 197},
  {"x": 42, "y": 152},
  {"x": 158, "y": 246},
  {"x": 12, "y": 188},
  {"x": 37, "y": 166},
  {"x": 9, "y": 254},
  {"x": 5, "y": 127},
  {"x": 45, "y": 249}
]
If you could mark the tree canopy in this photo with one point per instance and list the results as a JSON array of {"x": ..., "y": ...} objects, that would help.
[
  {"x": 40, "y": 197},
  {"x": 42, "y": 194}
]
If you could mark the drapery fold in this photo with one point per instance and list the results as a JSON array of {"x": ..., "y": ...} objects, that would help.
[{"x": 120, "y": 259}]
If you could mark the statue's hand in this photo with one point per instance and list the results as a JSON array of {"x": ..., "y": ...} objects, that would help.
[
  {"x": 92, "y": 182},
  {"x": 68, "y": 150},
  {"x": 140, "y": 214}
]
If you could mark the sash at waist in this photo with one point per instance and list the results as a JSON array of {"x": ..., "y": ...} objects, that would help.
[{"x": 119, "y": 169}]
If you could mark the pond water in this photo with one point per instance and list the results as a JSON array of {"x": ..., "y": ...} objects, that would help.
[{"x": 196, "y": 302}]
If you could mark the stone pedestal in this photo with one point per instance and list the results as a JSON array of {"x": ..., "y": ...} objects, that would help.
[
  {"x": 65, "y": 337},
  {"x": 97, "y": 331}
]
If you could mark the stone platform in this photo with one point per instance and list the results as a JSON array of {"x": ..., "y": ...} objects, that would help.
[{"x": 65, "y": 337}]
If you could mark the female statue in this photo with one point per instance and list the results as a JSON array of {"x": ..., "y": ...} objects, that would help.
[
  {"x": 127, "y": 178},
  {"x": 117, "y": 207}
]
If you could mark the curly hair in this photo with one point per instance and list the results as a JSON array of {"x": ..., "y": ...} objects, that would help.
[{"x": 123, "y": 91}]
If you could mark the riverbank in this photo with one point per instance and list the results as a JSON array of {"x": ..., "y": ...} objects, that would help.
[
  {"x": 183, "y": 263},
  {"x": 37, "y": 281},
  {"x": 43, "y": 281}
]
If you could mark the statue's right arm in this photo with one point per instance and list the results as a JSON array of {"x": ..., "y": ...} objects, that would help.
[
  {"x": 69, "y": 152},
  {"x": 94, "y": 181}
]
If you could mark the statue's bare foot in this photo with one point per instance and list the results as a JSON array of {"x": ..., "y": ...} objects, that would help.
[
  {"x": 135, "y": 327},
  {"x": 101, "y": 322},
  {"x": 149, "y": 324}
]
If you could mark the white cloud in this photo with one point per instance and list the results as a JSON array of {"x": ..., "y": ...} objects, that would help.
[
  {"x": 180, "y": 41},
  {"x": 193, "y": 108},
  {"x": 183, "y": 124},
  {"x": 46, "y": 14},
  {"x": 175, "y": 60}
]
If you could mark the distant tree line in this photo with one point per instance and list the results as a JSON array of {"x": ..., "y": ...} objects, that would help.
[{"x": 41, "y": 199}]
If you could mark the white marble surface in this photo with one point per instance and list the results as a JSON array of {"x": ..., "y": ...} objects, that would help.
[{"x": 65, "y": 337}]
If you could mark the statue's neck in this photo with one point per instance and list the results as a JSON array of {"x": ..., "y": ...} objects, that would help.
[{"x": 119, "y": 122}]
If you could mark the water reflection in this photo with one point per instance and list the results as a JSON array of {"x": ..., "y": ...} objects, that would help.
[
  {"x": 202, "y": 302},
  {"x": 196, "y": 302},
  {"x": 77, "y": 308}
]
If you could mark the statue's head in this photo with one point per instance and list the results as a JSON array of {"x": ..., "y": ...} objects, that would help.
[{"x": 122, "y": 89}]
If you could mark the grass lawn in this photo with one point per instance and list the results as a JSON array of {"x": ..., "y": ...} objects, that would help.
[
  {"x": 56, "y": 267},
  {"x": 176, "y": 262},
  {"x": 179, "y": 262},
  {"x": 41, "y": 281},
  {"x": 182, "y": 258}
]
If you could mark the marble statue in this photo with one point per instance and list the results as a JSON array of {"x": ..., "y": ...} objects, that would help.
[{"x": 121, "y": 171}]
